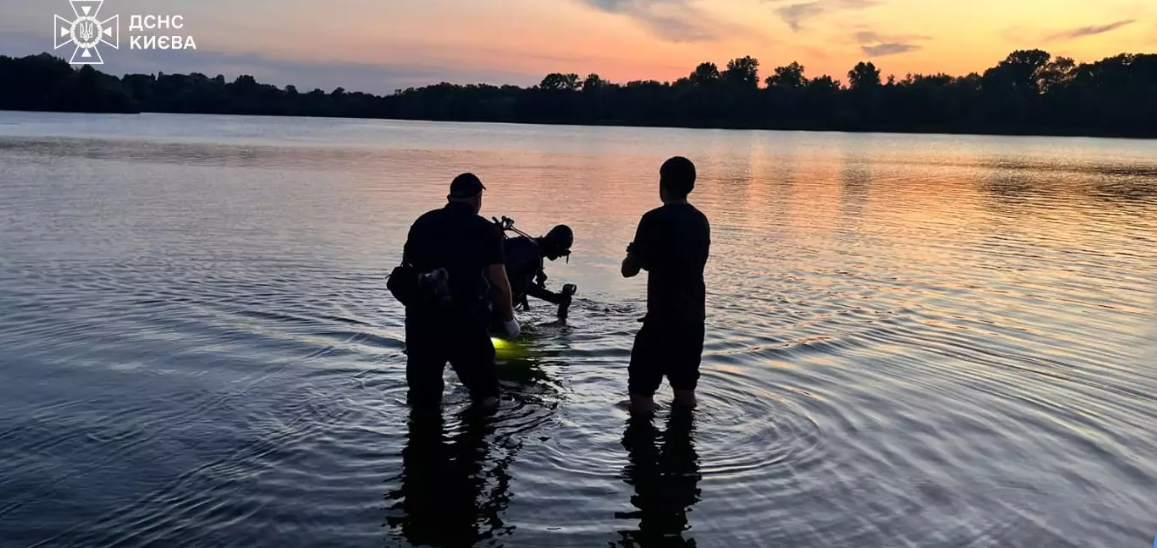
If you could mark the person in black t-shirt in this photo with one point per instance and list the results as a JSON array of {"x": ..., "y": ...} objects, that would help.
[
  {"x": 465, "y": 250},
  {"x": 672, "y": 244}
]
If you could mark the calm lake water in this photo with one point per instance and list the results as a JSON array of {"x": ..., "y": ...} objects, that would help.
[{"x": 913, "y": 340}]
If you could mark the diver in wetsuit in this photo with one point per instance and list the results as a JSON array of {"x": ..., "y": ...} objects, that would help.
[{"x": 525, "y": 267}]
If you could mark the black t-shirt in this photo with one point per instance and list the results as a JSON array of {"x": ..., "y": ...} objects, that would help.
[
  {"x": 462, "y": 242},
  {"x": 672, "y": 243}
]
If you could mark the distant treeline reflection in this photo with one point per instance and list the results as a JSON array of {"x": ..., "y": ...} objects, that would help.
[{"x": 1029, "y": 92}]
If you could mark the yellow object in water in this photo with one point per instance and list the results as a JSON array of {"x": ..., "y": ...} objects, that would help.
[{"x": 508, "y": 349}]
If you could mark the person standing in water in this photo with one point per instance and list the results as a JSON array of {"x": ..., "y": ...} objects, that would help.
[
  {"x": 672, "y": 244},
  {"x": 466, "y": 250}
]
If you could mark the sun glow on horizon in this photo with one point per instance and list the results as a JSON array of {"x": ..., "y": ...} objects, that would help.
[{"x": 519, "y": 41}]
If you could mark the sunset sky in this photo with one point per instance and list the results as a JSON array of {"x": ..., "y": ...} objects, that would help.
[{"x": 380, "y": 45}]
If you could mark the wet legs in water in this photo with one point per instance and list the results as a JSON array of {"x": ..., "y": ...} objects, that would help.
[
  {"x": 645, "y": 405},
  {"x": 671, "y": 350}
]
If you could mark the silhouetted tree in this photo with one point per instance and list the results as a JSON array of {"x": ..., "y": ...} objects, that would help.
[
  {"x": 594, "y": 83},
  {"x": 790, "y": 77},
  {"x": 864, "y": 76},
  {"x": 825, "y": 82},
  {"x": 742, "y": 72},
  {"x": 705, "y": 73},
  {"x": 1020, "y": 72},
  {"x": 1055, "y": 74},
  {"x": 562, "y": 82},
  {"x": 1027, "y": 92}
]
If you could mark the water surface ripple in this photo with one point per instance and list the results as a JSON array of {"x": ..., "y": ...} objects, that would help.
[{"x": 913, "y": 340}]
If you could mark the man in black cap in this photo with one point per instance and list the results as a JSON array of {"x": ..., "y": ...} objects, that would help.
[
  {"x": 672, "y": 244},
  {"x": 465, "y": 251}
]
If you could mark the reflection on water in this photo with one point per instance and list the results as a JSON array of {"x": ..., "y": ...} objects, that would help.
[
  {"x": 452, "y": 492},
  {"x": 913, "y": 340},
  {"x": 664, "y": 472},
  {"x": 455, "y": 482}
]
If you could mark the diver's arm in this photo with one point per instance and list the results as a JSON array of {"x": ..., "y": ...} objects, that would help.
[
  {"x": 501, "y": 294},
  {"x": 542, "y": 293}
]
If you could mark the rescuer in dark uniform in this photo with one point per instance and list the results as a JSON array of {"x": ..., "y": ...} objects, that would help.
[{"x": 452, "y": 262}]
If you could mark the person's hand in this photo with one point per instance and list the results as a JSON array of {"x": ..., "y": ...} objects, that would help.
[
  {"x": 511, "y": 329},
  {"x": 504, "y": 224},
  {"x": 631, "y": 253},
  {"x": 564, "y": 307}
]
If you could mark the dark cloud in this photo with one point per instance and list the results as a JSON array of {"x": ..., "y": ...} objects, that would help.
[
  {"x": 1091, "y": 30},
  {"x": 882, "y": 50},
  {"x": 671, "y": 20},
  {"x": 796, "y": 14},
  {"x": 874, "y": 44}
]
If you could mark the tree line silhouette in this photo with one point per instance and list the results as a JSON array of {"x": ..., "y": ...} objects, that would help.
[{"x": 1029, "y": 92}]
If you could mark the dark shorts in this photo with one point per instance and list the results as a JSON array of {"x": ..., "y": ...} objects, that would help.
[
  {"x": 673, "y": 350},
  {"x": 461, "y": 340}
]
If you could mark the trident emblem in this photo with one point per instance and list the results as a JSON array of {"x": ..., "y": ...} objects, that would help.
[{"x": 86, "y": 32}]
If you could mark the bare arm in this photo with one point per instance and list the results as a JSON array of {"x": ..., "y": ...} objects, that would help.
[
  {"x": 502, "y": 295},
  {"x": 633, "y": 263},
  {"x": 639, "y": 251},
  {"x": 631, "y": 266}
]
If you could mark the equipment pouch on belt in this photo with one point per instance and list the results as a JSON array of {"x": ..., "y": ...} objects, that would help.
[
  {"x": 403, "y": 284},
  {"x": 413, "y": 288}
]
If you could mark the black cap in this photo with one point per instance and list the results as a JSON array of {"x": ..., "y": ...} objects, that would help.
[{"x": 466, "y": 185}]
